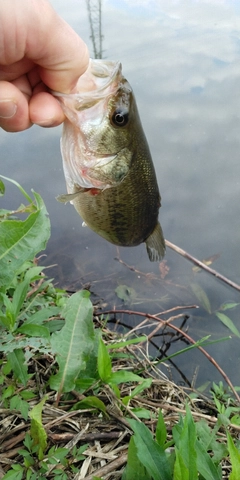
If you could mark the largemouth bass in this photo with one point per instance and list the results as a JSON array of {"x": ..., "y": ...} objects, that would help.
[{"x": 107, "y": 164}]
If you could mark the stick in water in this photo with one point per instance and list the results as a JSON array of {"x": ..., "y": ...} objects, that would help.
[{"x": 202, "y": 265}]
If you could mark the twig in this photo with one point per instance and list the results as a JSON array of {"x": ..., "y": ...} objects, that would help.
[
  {"x": 202, "y": 265},
  {"x": 110, "y": 467},
  {"x": 190, "y": 339}
]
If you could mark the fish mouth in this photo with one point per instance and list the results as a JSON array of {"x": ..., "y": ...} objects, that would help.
[{"x": 99, "y": 80}]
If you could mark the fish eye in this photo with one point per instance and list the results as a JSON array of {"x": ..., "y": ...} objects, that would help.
[{"x": 120, "y": 117}]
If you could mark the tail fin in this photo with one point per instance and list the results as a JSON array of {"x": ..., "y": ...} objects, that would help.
[{"x": 155, "y": 244}]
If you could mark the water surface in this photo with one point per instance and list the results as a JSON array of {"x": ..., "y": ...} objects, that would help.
[{"x": 183, "y": 62}]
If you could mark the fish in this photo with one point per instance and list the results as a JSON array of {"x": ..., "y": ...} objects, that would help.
[{"x": 108, "y": 168}]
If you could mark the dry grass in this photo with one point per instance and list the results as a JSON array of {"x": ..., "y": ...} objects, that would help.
[{"x": 107, "y": 435}]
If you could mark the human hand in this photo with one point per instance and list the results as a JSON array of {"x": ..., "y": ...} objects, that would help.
[{"x": 38, "y": 50}]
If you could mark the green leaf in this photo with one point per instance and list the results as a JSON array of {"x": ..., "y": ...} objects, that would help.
[
  {"x": 134, "y": 469},
  {"x": 104, "y": 362},
  {"x": 34, "y": 330},
  {"x": 19, "y": 296},
  {"x": 75, "y": 342},
  {"x": 123, "y": 376},
  {"x": 145, "y": 383},
  {"x": 181, "y": 472},
  {"x": 90, "y": 402},
  {"x": 19, "y": 404},
  {"x": 19, "y": 367},
  {"x": 141, "y": 412},
  {"x": 21, "y": 240},
  {"x": 234, "y": 457},
  {"x": 2, "y": 188},
  {"x": 227, "y": 306},
  {"x": 125, "y": 343},
  {"x": 185, "y": 441},
  {"x": 205, "y": 464},
  {"x": 42, "y": 315},
  {"x": 161, "y": 431},
  {"x": 37, "y": 430},
  {"x": 201, "y": 296},
  {"x": 207, "y": 438},
  {"x": 14, "y": 475},
  {"x": 149, "y": 453},
  {"x": 228, "y": 323},
  {"x": 25, "y": 194}
]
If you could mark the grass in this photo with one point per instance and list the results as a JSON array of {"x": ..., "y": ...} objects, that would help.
[{"x": 80, "y": 401}]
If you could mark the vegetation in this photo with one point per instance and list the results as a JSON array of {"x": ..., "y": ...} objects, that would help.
[{"x": 81, "y": 401}]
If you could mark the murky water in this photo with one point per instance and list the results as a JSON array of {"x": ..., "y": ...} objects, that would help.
[{"x": 183, "y": 61}]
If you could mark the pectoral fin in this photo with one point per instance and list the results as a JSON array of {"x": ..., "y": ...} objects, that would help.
[
  {"x": 68, "y": 197},
  {"x": 155, "y": 244}
]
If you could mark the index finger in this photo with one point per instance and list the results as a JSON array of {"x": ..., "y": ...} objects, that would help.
[{"x": 32, "y": 29}]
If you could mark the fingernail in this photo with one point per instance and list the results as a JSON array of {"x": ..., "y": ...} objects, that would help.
[{"x": 7, "y": 108}]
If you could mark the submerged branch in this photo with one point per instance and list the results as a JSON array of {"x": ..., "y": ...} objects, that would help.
[
  {"x": 202, "y": 265},
  {"x": 190, "y": 340}
]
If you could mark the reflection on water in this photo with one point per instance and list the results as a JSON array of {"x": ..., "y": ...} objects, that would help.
[
  {"x": 183, "y": 62},
  {"x": 95, "y": 22}
]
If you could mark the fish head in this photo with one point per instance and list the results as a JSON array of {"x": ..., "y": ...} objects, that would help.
[{"x": 97, "y": 132}]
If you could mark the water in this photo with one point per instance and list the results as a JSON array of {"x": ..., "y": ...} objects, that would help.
[{"x": 183, "y": 62}]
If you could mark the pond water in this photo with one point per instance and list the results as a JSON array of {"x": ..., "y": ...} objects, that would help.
[{"x": 182, "y": 59}]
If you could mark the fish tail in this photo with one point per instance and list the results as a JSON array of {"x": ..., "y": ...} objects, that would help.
[{"x": 155, "y": 244}]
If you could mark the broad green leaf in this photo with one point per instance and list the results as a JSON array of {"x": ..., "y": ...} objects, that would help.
[
  {"x": 83, "y": 384},
  {"x": 42, "y": 315},
  {"x": 34, "y": 330},
  {"x": 58, "y": 454},
  {"x": 234, "y": 457},
  {"x": 201, "y": 296},
  {"x": 150, "y": 454},
  {"x": 19, "y": 404},
  {"x": 90, "y": 402},
  {"x": 207, "y": 437},
  {"x": 27, "y": 395},
  {"x": 21, "y": 240},
  {"x": 75, "y": 342},
  {"x": 205, "y": 465},
  {"x": 104, "y": 362},
  {"x": 8, "y": 392},
  {"x": 19, "y": 367},
  {"x": 37, "y": 430},
  {"x": 134, "y": 469},
  {"x": 228, "y": 323},
  {"x": 161, "y": 431},
  {"x": 33, "y": 273},
  {"x": 14, "y": 475},
  {"x": 123, "y": 376},
  {"x": 141, "y": 412}
]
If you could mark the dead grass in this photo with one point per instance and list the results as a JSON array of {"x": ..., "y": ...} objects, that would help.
[{"x": 107, "y": 435}]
